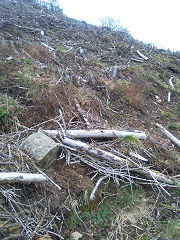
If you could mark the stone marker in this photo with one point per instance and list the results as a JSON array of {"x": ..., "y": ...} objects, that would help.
[{"x": 42, "y": 149}]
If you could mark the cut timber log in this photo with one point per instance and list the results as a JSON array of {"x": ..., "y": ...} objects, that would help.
[
  {"x": 98, "y": 133},
  {"x": 175, "y": 140},
  {"x": 17, "y": 177}
]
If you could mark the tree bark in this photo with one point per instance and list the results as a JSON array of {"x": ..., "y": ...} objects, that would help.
[
  {"x": 99, "y": 133},
  {"x": 17, "y": 177},
  {"x": 95, "y": 151}
]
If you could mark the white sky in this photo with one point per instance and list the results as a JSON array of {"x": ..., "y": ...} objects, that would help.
[{"x": 152, "y": 21}]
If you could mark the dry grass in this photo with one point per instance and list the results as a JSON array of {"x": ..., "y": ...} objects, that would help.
[
  {"x": 38, "y": 52},
  {"x": 134, "y": 94}
]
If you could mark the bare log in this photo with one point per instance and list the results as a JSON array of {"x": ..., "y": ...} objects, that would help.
[
  {"x": 157, "y": 176},
  {"x": 17, "y": 177},
  {"x": 94, "y": 151},
  {"x": 142, "y": 55},
  {"x": 174, "y": 139},
  {"x": 171, "y": 83},
  {"x": 97, "y": 133}
]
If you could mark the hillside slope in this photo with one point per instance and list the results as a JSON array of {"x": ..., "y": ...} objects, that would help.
[{"x": 50, "y": 62}]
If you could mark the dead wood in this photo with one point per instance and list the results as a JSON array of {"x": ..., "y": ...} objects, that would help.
[
  {"x": 16, "y": 177},
  {"x": 174, "y": 139},
  {"x": 142, "y": 55},
  {"x": 114, "y": 160},
  {"x": 98, "y": 133}
]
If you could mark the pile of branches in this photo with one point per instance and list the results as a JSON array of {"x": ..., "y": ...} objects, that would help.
[
  {"x": 27, "y": 198},
  {"x": 26, "y": 210},
  {"x": 111, "y": 163}
]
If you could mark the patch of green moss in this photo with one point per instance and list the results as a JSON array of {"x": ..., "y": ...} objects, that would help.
[
  {"x": 61, "y": 49},
  {"x": 173, "y": 126},
  {"x": 169, "y": 115},
  {"x": 25, "y": 80},
  {"x": 26, "y": 61},
  {"x": 131, "y": 141}
]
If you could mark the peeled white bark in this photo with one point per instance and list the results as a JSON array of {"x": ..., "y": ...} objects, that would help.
[
  {"x": 96, "y": 188},
  {"x": 171, "y": 83},
  {"x": 94, "y": 151},
  {"x": 172, "y": 86},
  {"x": 142, "y": 55},
  {"x": 136, "y": 155},
  {"x": 169, "y": 96},
  {"x": 99, "y": 133},
  {"x": 17, "y": 177},
  {"x": 174, "y": 139}
]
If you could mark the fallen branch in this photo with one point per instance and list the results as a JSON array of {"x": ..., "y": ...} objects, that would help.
[
  {"x": 139, "y": 157},
  {"x": 171, "y": 83},
  {"x": 94, "y": 151},
  {"x": 14, "y": 177},
  {"x": 115, "y": 162},
  {"x": 172, "y": 86},
  {"x": 48, "y": 47},
  {"x": 96, "y": 187},
  {"x": 97, "y": 133},
  {"x": 142, "y": 55},
  {"x": 137, "y": 60},
  {"x": 175, "y": 140},
  {"x": 169, "y": 96}
]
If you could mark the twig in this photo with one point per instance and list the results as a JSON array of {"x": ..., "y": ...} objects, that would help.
[
  {"x": 82, "y": 113},
  {"x": 96, "y": 187},
  {"x": 49, "y": 179}
]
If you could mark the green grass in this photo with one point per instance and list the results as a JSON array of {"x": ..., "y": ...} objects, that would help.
[
  {"x": 25, "y": 79},
  {"x": 3, "y": 114},
  {"x": 61, "y": 49},
  {"x": 176, "y": 111},
  {"x": 2, "y": 80},
  {"x": 8, "y": 108},
  {"x": 171, "y": 231},
  {"x": 131, "y": 141},
  {"x": 26, "y": 61},
  {"x": 173, "y": 126},
  {"x": 169, "y": 115},
  {"x": 101, "y": 211}
]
